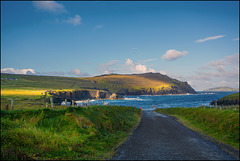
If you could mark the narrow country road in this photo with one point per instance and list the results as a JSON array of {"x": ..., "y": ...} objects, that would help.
[{"x": 159, "y": 137}]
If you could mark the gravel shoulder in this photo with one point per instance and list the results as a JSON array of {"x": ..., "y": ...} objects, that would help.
[{"x": 161, "y": 137}]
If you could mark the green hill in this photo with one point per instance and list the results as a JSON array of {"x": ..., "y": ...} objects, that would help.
[
  {"x": 134, "y": 84},
  {"x": 222, "y": 88},
  {"x": 232, "y": 99}
]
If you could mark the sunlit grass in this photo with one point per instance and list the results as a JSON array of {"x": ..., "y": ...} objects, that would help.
[
  {"x": 132, "y": 81},
  {"x": 90, "y": 133},
  {"x": 7, "y": 92}
]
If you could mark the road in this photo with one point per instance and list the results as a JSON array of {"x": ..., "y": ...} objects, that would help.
[{"x": 160, "y": 137}]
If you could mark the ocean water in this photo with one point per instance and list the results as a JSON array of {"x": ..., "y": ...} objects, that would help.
[{"x": 146, "y": 102}]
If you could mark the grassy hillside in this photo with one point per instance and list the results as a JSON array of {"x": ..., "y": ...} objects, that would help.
[
  {"x": 148, "y": 83},
  {"x": 222, "y": 125},
  {"x": 90, "y": 133},
  {"x": 115, "y": 83},
  {"x": 232, "y": 99},
  {"x": 223, "y": 88}
]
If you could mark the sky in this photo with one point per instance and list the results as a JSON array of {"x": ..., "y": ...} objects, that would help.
[{"x": 195, "y": 42}]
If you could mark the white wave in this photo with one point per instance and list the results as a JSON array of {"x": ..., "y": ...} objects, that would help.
[
  {"x": 208, "y": 93},
  {"x": 134, "y": 99}
]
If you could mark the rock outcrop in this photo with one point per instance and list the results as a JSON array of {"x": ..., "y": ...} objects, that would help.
[{"x": 59, "y": 96}]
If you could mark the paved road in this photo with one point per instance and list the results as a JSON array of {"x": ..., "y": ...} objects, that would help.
[{"x": 160, "y": 137}]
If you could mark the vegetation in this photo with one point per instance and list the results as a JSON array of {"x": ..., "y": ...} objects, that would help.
[
  {"x": 120, "y": 84},
  {"x": 222, "y": 88},
  {"x": 73, "y": 133},
  {"x": 232, "y": 99},
  {"x": 222, "y": 125}
]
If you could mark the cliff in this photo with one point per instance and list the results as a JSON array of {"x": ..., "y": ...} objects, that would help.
[{"x": 59, "y": 96}]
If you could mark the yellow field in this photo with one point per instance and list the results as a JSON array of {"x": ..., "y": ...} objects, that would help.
[{"x": 7, "y": 92}]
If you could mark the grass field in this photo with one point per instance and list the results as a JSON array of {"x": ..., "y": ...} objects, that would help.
[
  {"x": 112, "y": 83},
  {"x": 222, "y": 125},
  {"x": 73, "y": 133}
]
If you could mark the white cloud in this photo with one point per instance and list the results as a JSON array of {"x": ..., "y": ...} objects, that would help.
[
  {"x": 17, "y": 71},
  {"x": 108, "y": 67},
  {"x": 163, "y": 72},
  {"x": 236, "y": 39},
  {"x": 98, "y": 27},
  {"x": 152, "y": 70},
  {"x": 173, "y": 54},
  {"x": 218, "y": 72},
  {"x": 77, "y": 72},
  {"x": 209, "y": 38},
  {"x": 137, "y": 68},
  {"x": 147, "y": 60},
  {"x": 76, "y": 20},
  {"x": 141, "y": 68},
  {"x": 51, "y": 6}
]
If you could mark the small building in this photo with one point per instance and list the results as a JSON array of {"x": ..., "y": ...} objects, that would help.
[{"x": 63, "y": 103}]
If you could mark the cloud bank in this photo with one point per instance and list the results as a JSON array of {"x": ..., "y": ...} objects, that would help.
[
  {"x": 173, "y": 54},
  {"x": 209, "y": 38},
  {"x": 73, "y": 72},
  {"x": 18, "y": 71},
  {"x": 51, "y": 6},
  {"x": 55, "y": 7}
]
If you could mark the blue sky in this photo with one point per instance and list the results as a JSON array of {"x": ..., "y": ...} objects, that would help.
[{"x": 196, "y": 41}]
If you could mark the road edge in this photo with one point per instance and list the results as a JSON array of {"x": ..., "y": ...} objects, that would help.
[{"x": 225, "y": 147}]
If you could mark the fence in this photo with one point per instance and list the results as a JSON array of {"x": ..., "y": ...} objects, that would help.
[{"x": 17, "y": 104}]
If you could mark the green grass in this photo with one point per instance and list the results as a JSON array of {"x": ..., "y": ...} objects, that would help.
[
  {"x": 222, "y": 125},
  {"x": 73, "y": 133},
  {"x": 120, "y": 84},
  {"x": 231, "y": 97}
]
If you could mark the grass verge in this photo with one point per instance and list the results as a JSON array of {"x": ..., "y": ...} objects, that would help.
[
  {"x": 90, "y": 133},
  {"x": 222, "y": 125}
]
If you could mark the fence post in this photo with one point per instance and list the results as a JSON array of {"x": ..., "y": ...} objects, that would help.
[
  {"x": 193, "y": 106},
  {"x": 12, "y": 103},
  {"x": 103, "y": 103},
  {"x": 47, "y": 104},
  {"x": 73, "y": 103},
  {"x": 51, "y": 100},
  {"x": 65, "y": 103},
  {"x": 216, "y": 105},
  {"x": 88, "y": 102}
]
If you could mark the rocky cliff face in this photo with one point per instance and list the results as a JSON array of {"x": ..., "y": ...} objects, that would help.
[{"x": 59, "y": 96}]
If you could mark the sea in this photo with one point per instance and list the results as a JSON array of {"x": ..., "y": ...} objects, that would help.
[{"x": 150, "y": 102}]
